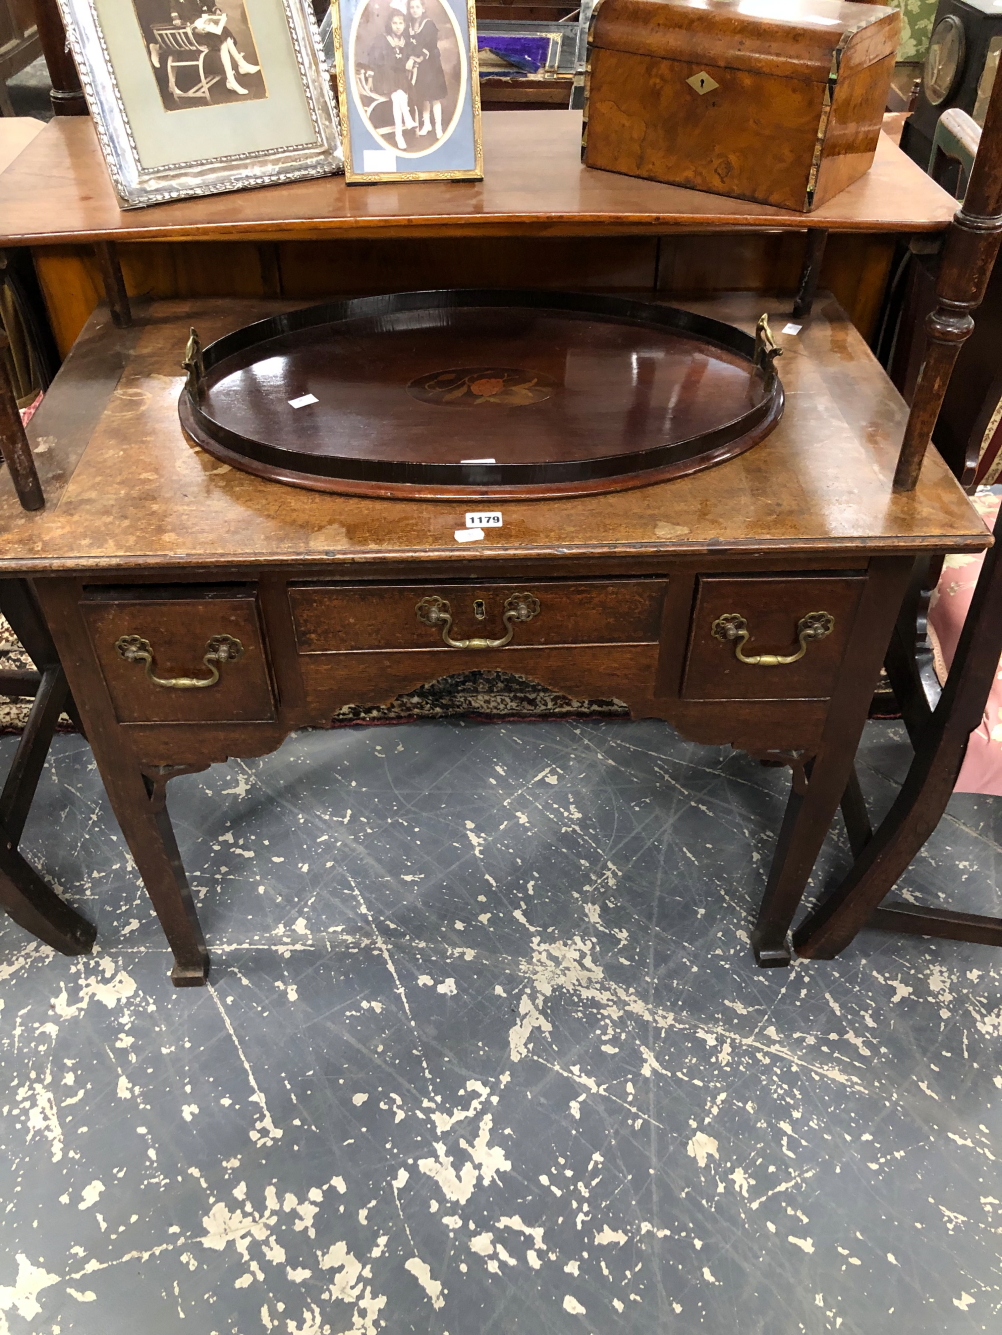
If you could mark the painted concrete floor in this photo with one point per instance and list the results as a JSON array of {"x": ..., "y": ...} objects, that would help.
[{"x": 485, "y": 1050}]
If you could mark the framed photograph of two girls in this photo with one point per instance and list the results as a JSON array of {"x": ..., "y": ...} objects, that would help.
[{"x": 409, "y": 89}]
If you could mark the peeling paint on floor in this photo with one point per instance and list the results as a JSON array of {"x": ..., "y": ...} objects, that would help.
[{"x": 485, "y": 1050}]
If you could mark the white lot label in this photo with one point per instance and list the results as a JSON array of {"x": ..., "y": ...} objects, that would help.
[
  {"x": 483, "y": 519},
  {"x": 378, "y": 161},
  {"x": 303, "y": 402},
  {"x": 492, "y": 461},
  {"x": 791, "y": 329},
  {"x": 468, "y": 534}
]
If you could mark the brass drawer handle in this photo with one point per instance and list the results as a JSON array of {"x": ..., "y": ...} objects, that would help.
[
  {"x": 436, "y": 611},
  {"x": 220, "y": 649},
  {"x": 733, "y": 627}
]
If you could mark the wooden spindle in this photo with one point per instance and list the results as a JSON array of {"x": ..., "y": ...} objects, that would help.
[
  {"x": 66, "y": 95},
  {"x": 971, "y": 247},
  {"x": 14, "y": 443}
]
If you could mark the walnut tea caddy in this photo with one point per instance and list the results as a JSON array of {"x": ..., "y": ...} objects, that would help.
[{"x": 781, "y": 105}]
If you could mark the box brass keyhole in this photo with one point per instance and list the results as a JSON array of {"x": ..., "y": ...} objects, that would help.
[{"x": 479, "y": 610}]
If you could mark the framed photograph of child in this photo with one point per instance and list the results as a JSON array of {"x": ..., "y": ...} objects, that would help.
[
  {"x": 195, "y": 97},
  {"x": 408, "y": 89}
]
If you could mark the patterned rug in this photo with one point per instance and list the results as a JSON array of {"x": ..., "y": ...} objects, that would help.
[{"x": 14, "y": 712}]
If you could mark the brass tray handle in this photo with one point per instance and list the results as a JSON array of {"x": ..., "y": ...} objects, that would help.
[
  {"x": 219, "y": 649},
  {"x": 733, "y": 627},
  {"x": 766, "y": 351},
  {"x": 435, "y": 611}
]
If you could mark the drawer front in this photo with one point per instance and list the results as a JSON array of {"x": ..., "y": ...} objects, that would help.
[
  {"x": 331, "y": 619},
  {"x": 179, "y": 629},
  {"x": 773, "y": 609}
]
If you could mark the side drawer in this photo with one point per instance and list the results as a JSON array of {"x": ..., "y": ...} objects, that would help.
[
  {"x": 332, "y": 619},
  {"x": 180, "y": 626},
  {"x": 772, "y": 606}
]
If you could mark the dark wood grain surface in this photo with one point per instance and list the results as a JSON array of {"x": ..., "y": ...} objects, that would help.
[
  {"x": 334, "y": 619},
  {"x": 488, "y": 393},
  {"x": 124, "y": 486},
  {"x": 58, "y": 190}
]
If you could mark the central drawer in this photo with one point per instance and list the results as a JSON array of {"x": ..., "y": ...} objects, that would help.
[{"x": 334, "y": 619}]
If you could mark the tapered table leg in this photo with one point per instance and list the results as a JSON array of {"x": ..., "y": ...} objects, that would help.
[
  {"x": 818, "y": 790},
  {"x": 142, "y": 814},
  {"x": 138, "y": 803}
]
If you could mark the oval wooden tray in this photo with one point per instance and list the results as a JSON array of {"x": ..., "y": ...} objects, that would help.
[{"x": 480, "y": 393}]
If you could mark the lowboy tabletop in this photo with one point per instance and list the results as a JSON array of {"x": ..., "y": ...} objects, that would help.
[
  {"x": 125, "y": 488},
  {"x": 59, "y": 191}
]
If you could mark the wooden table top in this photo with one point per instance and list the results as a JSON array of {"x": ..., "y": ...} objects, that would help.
[
  {"x": 125, "y": 488},
  {"x": 59, "y": 190}
]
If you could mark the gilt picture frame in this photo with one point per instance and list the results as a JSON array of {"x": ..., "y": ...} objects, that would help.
[
  {"x": 198, "y": 97},
  {"x": 408, "y": 90}
]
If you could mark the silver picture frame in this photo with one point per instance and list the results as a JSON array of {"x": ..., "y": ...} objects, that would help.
[{"x": 172, "y": 117}]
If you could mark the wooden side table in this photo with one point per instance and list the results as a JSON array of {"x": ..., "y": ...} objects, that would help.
[
  {"x": 538, "y": 219},
  {"x": 143, "y": 535}
]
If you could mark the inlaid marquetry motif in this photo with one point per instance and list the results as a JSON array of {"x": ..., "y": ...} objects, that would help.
[{"x": 471, "y": 386}]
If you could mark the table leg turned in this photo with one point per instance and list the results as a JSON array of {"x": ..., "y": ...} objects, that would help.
[{"x": 819, "y": 783}]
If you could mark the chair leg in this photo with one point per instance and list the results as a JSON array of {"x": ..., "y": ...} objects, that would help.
[
  {"x": 917, "y": 920},
  {"x": 916, "y": 812},
  {"x": 23, "y": 894},
  {"x": 28, "y": 900},
  {"x": 22, "y": 778},
  {"x": 14, "y": 444},
  {"x": 855, "y": 815},
  {"x": 929, "y": 784},
  {"x": 810, "y": 274}
]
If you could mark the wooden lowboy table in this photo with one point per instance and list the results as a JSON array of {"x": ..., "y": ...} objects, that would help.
[{"x": 144, "y": 535}]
